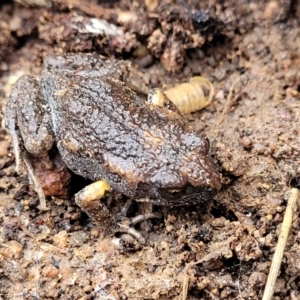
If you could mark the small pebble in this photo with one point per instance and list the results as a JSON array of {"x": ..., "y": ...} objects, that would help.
[
  {"x": 246, "y": 142},
  {"x": 4, "y": 145},
  {"x": 11, "y": 249},
  {"x": 50, "y": 271},
  {"x": 271, "y": 10},
  {"x": 61, "y": 239}
]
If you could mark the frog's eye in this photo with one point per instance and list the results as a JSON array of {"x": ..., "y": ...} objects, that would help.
[
  {"x": 206, "y": 143},
  {"x": 196, "y": 142}
]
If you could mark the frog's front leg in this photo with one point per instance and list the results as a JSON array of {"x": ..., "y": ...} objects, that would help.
[
  {"x": 29, "y": 123},
  {"x": 89, "y": 199}
]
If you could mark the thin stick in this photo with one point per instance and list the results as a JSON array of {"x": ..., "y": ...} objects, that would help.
[
  {"x": 228, "y": 100},
  {"x": 281, "y": 243}
]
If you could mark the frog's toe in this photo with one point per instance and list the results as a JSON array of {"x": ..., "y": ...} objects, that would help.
[
  {"x": 132, "y": 239},
  {"x": 130, "y": 231},
  {"x": 36, "y": 183},
  {"x": 144, "y": 217},
  {"x": 125, "y": 225}
]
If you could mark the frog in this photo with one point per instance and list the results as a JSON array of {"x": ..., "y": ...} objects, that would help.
[{"x": 104, "y": 131}]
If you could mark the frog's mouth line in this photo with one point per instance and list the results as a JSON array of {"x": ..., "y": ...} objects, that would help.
[{"x": 187, "y": 196}]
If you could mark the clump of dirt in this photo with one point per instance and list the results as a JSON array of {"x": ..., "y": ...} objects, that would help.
[{"x": 250, "y": 52}]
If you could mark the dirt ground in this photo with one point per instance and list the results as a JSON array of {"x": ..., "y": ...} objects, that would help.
[{"x": 250, "y": 50}]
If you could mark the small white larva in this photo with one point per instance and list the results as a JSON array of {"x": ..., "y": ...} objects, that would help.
[
  {"x": 191, "y": 96},
  {"x": 188, "y": 97}
]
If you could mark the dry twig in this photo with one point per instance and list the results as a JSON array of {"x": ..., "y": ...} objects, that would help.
[
  {"x": 281, "y": 243},
  {"x": 228, "y": 100}
]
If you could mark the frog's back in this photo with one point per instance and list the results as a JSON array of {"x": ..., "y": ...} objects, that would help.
[{"x": 103, "y": 131}]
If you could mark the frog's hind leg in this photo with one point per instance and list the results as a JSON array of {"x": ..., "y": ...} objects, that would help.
[
  {"x": 20, "y": 156},
  {"x": 29, "y": 123},
  {"x": 28, "y": 119}
]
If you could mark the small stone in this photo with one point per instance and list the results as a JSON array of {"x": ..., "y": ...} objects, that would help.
[
  {"x": 257, "y": 279},
  {"x": 269, "y": 217},
  {"x": 78, "y": 238},
  {"x": 11, "y": 249},
  {"x": 50, "y": 271},
  {"x": 292, "y": 92},
  {"x": 95, "y": 232},
  {"x": 75, "y": 216},
  {"x": 246, "y": 142},
  {"x": 4, "y": 146},
  {"x": 271, "y": 10},
  {"x": 61, "y": 239}
]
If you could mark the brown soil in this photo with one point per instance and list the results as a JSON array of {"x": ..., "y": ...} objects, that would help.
[{"x": 251, "y": 53}]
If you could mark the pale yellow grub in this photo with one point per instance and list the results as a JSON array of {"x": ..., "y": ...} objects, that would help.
[
  {"x": 94, "y": 191},
  {"x": 191, "y": 96}
]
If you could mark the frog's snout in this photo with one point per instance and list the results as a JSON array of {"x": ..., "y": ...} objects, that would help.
[{"x": 200, "y": 171}]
